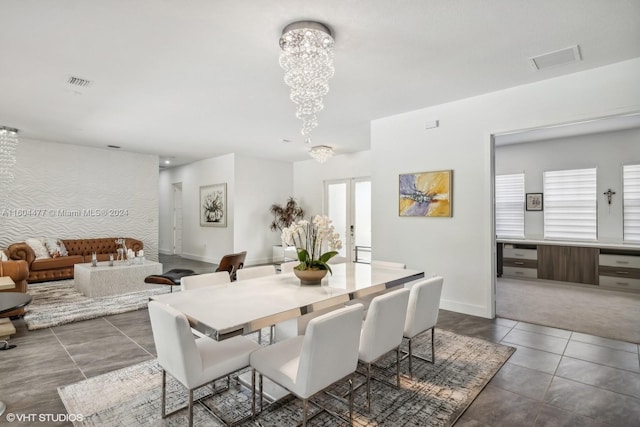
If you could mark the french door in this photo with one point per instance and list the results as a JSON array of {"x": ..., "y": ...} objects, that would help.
[{"x": 348, "y": 203}]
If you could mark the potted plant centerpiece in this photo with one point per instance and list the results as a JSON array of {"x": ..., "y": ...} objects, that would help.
[
  {"x": 284, "y": 216},
  {"x": 311, "y": 238}
]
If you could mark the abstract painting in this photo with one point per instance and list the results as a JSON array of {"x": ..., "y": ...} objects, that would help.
[
  {"x": 213, "y": 205},
  {"x": 426, "y": 194}
]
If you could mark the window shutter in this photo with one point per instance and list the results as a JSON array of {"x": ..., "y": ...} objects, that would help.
[
  {"x": 631, "y": 202},
  {"x": 510, "y": 206},
  {"x": 570, "y": 205}
]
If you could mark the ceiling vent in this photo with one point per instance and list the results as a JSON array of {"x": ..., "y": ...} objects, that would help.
[
  {"x": 78, "y": 82},
  {"x": 558, "y": 57}
]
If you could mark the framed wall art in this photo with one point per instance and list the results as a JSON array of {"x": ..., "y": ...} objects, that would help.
[
  {"x": 534, "y": 201},
  {"x": 426, "y": 194},
  {"x": 213, "y": 205}
]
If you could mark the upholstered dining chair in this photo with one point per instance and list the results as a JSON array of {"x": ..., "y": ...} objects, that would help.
[
  {"x": 287, "y": 267},
  {"x": 193, "y": 362},
  {"x": 198, "y": 281},
  {"x": 305, "y": 365},
  {"x": 382, "y": 331},
  {"x": 231, "y": 263},
  {"x": 255, "y": 272},
  {"x": 422, "y": 314}
]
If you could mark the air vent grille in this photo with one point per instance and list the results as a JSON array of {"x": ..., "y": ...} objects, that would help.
[
  {"x": 78, "y": 81},
  {"x": 555, "y": 58}
]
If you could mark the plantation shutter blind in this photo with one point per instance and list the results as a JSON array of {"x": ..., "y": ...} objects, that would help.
[
  {"x": 631, "y": 202},
  {"x": 570, "y": 205},
  {"x": 510, "y": 206}
]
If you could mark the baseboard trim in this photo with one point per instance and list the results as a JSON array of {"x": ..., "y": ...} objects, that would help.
[{"x": 473, "y": 310}]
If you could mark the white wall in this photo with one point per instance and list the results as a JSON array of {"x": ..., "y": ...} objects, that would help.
[
  {"x": 71, "y": 185},
  {"x": 259, "y": 184},
  {"x": 461, "y": 248},
  {"x": 200, "y": 243},
  {"x": 606, "y": 151},
  {"x": 252, "y": 186},
  {"x": 309, "y": 177}
]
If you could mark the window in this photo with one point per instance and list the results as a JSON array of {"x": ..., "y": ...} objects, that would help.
[
  {"x": 510, "y": 205},
  {"x": 631, "y": 202},
  {"x": 570, "y": 205}
]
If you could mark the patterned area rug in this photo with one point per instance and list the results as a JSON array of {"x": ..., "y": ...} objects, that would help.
[
  {"x": 437, "y": 395},
  {"x": 58, "y": 303}
]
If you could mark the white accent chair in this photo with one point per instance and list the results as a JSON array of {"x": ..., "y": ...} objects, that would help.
[
  {"x": 198, "y": 281},
  {"x": 422, "y": 313},
  {"x": 305, "y": 365},
  {"x": 388, "y": 264},
  {"x": 255, "y": 272},
  {"x": 382, "y": 331},
  {"x": 193, "y": 362},
  {"x": 287, "y": 267}
]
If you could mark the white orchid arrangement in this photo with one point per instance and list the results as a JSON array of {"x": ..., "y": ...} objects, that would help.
[{"x": 310, "y": 238}]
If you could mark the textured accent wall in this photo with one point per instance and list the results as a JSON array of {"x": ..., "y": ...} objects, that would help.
[{"x": 69, "y": 191}]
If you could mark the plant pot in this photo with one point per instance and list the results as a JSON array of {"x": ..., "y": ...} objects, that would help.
[{"x": 310, "y": 277}]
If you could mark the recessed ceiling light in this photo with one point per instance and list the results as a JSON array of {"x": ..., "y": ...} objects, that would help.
[{"x": 166, "y": 162}]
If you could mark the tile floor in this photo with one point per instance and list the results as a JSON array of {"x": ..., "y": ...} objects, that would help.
[{"x": 555, "y": 378}]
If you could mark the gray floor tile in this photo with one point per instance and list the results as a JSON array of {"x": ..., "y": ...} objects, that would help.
[
  {"x": 605, "y": 342},
  {"x": 521, "y": 380},
  {"x": 613, "y": 379},
  {"x": 545, "y": 330},
  {"x": 603, "y": 355},
  {"x": 498, "y": 407},
  {"x": 550, "y": 416},
  {"x": 89, "y": 330},
  {"x": 534, "y": 340},
  {"x": 602, "y": 405},
  {"x": 535, "y": 359},
  {"x": 506, "y": 322}
]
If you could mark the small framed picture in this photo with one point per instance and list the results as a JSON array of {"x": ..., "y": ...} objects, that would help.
[
  {"x": 213, "y": 205},
  {"x": 534, "y": 201}
]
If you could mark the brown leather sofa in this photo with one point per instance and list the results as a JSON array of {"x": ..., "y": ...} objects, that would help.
[
  {"x": 80, "y": 250},
  {"x": 18, "y": 271}
]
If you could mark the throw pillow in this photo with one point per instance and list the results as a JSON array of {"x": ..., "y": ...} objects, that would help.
[
  {"x": 3, "y": 256},
  {"x": 52, "y": 247},
  {"x": 62, "y": 249},
  {"x": 38, "y": 247}
]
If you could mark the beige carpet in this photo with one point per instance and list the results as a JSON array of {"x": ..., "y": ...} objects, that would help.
[
  {"x": 436, "y": 396},
  {"x": 599, "y": 312}
]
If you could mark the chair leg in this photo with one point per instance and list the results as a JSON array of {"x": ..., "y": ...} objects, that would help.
[
  {"x": 369, "y": 387},
  {"x": 259, "y": 336},
  {"x": 433, "y": 343},
  {"x": 398, "y": 366},
  {"x": 253, "y": 393},
  {"x": 164, "y": 394},
  {"x": 350, "y": 401},
  {"x": 305, "y": 404},
  {"x": 190, "y": 408},
  {"x": 410, "y": 357},
  {"x": 261, "y": 395}
]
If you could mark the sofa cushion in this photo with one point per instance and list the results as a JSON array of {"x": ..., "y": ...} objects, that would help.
[
  {"x": 53, "y": 263},
  {"x": 38, "y": 248}
]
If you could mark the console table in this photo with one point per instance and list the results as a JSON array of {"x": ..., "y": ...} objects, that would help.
[{"x": 104, "y": 280}]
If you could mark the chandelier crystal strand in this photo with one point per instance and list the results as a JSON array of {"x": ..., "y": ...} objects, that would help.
[
  {"x": 306, "y": 57},
  {"x": 321, "y": 153},
  {"x": 8, "y": 145}
]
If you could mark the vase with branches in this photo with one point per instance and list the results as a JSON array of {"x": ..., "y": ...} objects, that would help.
[{"x": 285, "y": 215}]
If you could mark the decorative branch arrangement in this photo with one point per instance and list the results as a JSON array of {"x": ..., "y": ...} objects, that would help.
[{"x": 285, "y": 215}]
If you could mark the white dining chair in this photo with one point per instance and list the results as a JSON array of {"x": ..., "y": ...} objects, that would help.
[
  {"x": 287, "y": 267},
  {"x": 193, "y": 362},
  {"x": 422, "y": 314},
  {"x": 255, "y": 272},
  {"x": 198, "y": 281},
  {"x": 382, "y": 331},
  {"x": 388, "y": 264},
  {"x": 306, "y": 365}
]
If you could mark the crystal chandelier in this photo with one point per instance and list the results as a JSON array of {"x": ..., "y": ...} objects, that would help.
[
  {"x": 321, "y": 153},
  {"x": 8, "y": 145},
  {"x": 307, "y": 59}
]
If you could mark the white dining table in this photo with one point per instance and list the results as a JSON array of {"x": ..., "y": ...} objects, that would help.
[{"x": 242, "y": 307}]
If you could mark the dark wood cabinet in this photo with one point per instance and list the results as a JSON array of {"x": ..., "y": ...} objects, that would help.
[{"x": 568, "y": 264}]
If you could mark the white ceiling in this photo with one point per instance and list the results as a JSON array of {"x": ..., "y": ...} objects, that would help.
[{"x": 200, "y": 78}]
